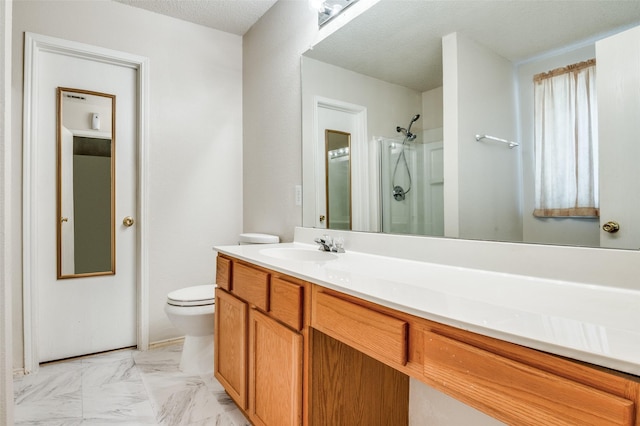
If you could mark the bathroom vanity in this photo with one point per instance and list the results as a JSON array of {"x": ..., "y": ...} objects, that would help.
[{"x": 302, "y": 339}]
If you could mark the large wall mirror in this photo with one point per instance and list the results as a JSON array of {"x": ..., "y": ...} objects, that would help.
[
  {"x": 442, "y": 97},
  {"x": 86, "y": 183}
]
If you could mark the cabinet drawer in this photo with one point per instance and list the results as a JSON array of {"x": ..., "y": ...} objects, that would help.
[
  {"x": 286, "y": 302},
  {"x": 515, "y": 392},
  {"x": 376, "y": 334},
  {"x": 251, "y": 285},
  {"x": 223, "y": 273}
]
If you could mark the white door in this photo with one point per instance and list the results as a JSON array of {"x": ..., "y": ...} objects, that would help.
[
  {"x": 79, "y": 316},
  {"x": 330, "y": 119},
  {"x": 434, "y": 192},
  {"x": 618, "y": 89}
]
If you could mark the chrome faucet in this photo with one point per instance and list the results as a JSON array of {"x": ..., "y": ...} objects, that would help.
[{"x": 334, "y": 245}]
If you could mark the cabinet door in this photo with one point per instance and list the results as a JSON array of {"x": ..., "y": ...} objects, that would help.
[
  {"x": 275, "y": 372},
  {"x": 230, "y": 346}
]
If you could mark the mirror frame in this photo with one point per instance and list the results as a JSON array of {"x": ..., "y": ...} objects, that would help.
[{"x": 59, "y": 126}]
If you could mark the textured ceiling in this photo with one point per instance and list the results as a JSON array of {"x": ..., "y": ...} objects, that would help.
[
  {"x": 400, "y": 41},
  {"x": 232, "y": 16}
]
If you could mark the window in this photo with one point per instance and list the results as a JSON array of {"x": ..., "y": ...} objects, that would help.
[{"x": 566, "y": 142}]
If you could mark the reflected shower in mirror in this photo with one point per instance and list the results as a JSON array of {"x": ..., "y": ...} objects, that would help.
[
  {"x": 468, "y": 69},
  {"x": 411, "y": 183},
  {"x": 86, "y": 187},
  {"x": 338, "y": 179}
]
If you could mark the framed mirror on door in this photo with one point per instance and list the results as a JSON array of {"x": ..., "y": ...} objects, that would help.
[{"x": 86, "y": 183}]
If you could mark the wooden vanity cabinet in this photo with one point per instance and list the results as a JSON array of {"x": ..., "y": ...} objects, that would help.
[
  {"x": 275, "y": 372},
  {"x": 512, "y": 383},
  {"x": 506, "y": 386},
  {"x": 259, "y": 343},
  {"x": 294, "y": 353},
  {"x": 230, "y": 346}
]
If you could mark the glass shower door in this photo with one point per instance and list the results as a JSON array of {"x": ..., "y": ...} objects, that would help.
[{"x": 412, "y": 187}]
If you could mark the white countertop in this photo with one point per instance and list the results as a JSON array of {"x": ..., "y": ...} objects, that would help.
[{"x": 591, "y": 323}]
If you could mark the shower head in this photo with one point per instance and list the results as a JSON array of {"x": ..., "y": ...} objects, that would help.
[
  {"x": 407, "y": 132},
  {"x": 413, "y": 120}
]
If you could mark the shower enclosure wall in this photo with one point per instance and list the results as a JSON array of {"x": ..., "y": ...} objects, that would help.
[{"x": 421, "y": 212}]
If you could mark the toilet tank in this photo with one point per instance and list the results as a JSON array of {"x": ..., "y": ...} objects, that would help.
[{"x": 253, "y": 238}]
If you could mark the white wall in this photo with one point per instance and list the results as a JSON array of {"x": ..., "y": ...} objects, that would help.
[
  {"x": 194, "y": 142},
  {"x": 428, "y": 406},
  {"x": 387, "y": 106},
  {"x": 432, "y": 110},
  {"x": 6, "y": 364},
  {"x": 547, "y": 230},
  {"x": 272, "y": 151},
  {"x": 482, "y": 179},
  {"x": 272, "y": 117}
]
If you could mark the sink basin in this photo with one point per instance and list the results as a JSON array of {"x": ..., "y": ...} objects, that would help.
[{"x": 299, "y": 254}]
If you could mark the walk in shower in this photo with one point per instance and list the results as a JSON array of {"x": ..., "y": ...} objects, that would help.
[{"x": 411, "y": 184}]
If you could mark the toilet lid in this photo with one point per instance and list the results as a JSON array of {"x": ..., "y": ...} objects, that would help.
[
  {"x": 192, "y": 296},
  {"x": 253, "y": 238}
]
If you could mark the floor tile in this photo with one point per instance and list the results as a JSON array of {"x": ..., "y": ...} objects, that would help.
[{"x": 125, "y": 387}]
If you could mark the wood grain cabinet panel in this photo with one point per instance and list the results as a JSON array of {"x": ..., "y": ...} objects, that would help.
[
  {"x": 223, "y": 273},
  {"x": 275, "y": 372},
  {"x": 252, "y": 285},
  {"x": 518, "y": 393},
  {"x": 230, "y": 346},
  {"x": 376, "y": 334},
  {"x": 285, "y": 302},
  {"x": 292, "y": 353},
  {"x": 351, "y": 388}
]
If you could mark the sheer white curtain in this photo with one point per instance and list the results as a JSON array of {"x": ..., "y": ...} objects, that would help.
[{"x": 566, "y": 142}]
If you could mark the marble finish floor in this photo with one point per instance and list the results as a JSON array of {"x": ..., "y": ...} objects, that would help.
[{"x": 125, "y": 387}]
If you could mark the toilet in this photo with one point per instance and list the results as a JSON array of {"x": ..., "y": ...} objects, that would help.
[{"x": 191, "y": 310}]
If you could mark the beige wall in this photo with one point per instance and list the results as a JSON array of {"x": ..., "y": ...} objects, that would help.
[{"x": 195, "y": 117}]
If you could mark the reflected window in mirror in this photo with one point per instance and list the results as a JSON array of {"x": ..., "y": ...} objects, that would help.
[
  {"x": 566, "y": 142},
  {"x": 86, "y": 183},
  {"x": 487, "y": 190},
  {"x": 338, "y": 179}
]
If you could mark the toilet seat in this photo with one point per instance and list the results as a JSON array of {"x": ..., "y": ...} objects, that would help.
[{"x": 199, "y": 295}]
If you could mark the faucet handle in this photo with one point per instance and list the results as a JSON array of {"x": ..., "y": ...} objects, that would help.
[
  {"x": 324, "y": 245},
  {"x": 338, "y": 245}
]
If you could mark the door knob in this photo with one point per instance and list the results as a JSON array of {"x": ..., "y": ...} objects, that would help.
[
  {"x": 611, "y": 227},
  {"x": 128, "y": 221},
  {"x": 322, "y": 218}
]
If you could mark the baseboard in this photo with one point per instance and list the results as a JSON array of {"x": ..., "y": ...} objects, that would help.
[{"x": 168, "y": 342}]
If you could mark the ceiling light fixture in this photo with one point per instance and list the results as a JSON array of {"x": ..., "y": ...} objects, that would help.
[{"x": 329, "y": 9}]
